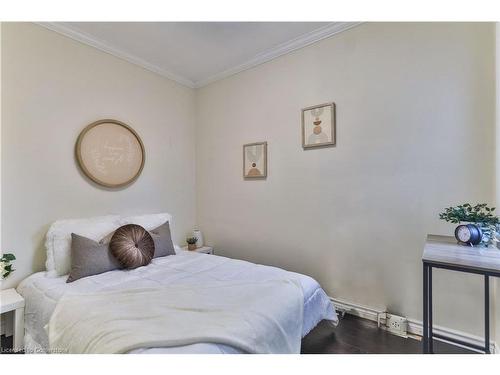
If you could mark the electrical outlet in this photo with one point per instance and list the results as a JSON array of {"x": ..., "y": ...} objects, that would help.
[{"x": 397, "y": 325}]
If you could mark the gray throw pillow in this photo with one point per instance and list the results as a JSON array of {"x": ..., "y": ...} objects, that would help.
[
  {"x": 89, "y": 257},
  {"x": 163, "y": 240}
]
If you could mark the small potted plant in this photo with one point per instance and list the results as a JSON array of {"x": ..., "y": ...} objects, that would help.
[
  {"x": 482, "y": 219},
  {"x": 191, "y": 241},
  {"x": 6, "y": 265}
]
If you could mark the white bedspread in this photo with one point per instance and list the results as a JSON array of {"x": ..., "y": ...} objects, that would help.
[
  {"x": 42, "y": 293},
  {"x": 242, "y": 315}
]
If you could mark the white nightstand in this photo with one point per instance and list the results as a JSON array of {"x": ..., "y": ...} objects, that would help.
[
  {"x": 203, "y": 250},
  {"x": 10, "y": 300}
]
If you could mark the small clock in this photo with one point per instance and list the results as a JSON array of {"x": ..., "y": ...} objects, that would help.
[{"x": 468, "y": 234}]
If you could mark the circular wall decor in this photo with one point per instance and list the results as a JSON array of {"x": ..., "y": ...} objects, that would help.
[{"x": 110, "y": 153}]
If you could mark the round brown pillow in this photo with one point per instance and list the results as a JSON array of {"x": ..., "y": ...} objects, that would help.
[{"x": 132, "y": 246}]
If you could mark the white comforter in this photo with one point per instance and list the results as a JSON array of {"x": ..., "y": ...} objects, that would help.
[
  {"x": 42, "y": 293},
  {"x": 239, "y": 314}
]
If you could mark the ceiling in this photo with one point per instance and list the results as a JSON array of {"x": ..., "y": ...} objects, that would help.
[{"x": 198, "y": 53}]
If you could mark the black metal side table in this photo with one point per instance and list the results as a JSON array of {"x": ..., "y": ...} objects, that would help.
[{"x": 444, "y": 252}]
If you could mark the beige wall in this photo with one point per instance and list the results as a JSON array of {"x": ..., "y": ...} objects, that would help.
[
  {"x": 52, "y": 88},
  {"x": 416, "y": 115}
]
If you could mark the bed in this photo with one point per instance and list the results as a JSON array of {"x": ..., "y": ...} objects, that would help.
[{"x": 43, "y": 290}]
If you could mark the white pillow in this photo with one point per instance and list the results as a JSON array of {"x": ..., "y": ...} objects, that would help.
[
  {"x": 148, "y": 222},
  {"x": 58, "y": 239}
]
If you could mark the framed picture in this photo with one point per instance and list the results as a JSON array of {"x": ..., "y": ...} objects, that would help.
[
  {"x": 318, "y": 126},
  {"x": 255, "y": 160},
  {"x": 110, "y": 153}
]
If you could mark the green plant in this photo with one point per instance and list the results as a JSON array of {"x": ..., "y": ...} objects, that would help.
[
  {"x": 191, "y": 240},
  {"x": 5, "y": 265},
  {"x": 480, "y": 213}
]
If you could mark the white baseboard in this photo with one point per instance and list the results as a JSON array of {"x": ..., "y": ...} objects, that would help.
[{"x": 414, "y": 326}]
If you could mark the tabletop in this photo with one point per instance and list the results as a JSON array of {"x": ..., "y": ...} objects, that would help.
[
  {"x": 446, "y": 251},
  {"x": 10, "y": 300}
]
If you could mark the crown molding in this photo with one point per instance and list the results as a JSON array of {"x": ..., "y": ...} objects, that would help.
[
  {"x": 272, "y": 53},
  {"x": 85, "y": 38},
  {"x": 282, "y": 49}
]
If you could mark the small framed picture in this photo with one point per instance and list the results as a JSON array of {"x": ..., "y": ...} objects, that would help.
[
  {"x": 318, "y": 126},
  {"x": 255, "y": 160}
]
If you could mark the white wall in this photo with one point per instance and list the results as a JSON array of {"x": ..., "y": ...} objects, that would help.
[
  {"x": 496, "y": 288},
  {"x": 415, "y": 105},
  {"x": 416, "y": 133},
  {"x": 52, "y": 88},
  {"x": 0, "y": 133}
]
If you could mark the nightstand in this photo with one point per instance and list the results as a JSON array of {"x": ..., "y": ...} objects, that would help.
[
  {"x": 10, "y": 300},
  {"x": 203, "y": 250}
]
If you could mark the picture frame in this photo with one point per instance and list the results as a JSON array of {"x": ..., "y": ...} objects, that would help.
[
  {"x": 110, "y": 153},
  {"x": 319, "y": 126},
  {"x": 255, "y": 160}
]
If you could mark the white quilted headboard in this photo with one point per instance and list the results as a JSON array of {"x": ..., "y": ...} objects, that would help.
[{"x": 58, "y": 239}]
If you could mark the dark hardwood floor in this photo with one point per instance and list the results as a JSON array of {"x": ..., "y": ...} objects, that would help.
[
  {"x": 6, "y": 344},
  {"x": 352, "y": 336}
]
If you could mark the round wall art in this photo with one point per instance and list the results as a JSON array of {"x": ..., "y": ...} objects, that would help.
[{"x": 110, "y": 153}]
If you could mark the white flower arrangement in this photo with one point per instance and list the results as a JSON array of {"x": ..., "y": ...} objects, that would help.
[{"x": 6, "y": 265}]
